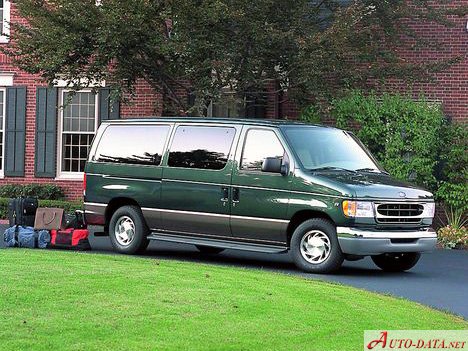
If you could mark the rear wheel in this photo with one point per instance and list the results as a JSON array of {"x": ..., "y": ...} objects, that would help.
[
  {"x": 315, "y": 247},
  {"x": 128, "y": 231},
  {"x": 396, "y": 262},
  {"x": 209, "y": 249}
]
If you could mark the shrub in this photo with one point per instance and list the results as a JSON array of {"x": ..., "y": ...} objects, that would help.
[
  {"x": 41, "y": 191},
  {"x": 403, "y": 134},
  {"x": 66, "y": 205},
  {"x": 453, "y": 185},
  {"x": 310, "y": 114},
  {"x": 453, "y": 238}
]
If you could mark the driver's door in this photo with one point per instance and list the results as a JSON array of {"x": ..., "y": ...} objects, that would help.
[{"x": 259, "y": 200}]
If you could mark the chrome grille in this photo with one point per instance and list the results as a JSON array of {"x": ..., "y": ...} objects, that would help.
[{"x": 399, "y": 212}]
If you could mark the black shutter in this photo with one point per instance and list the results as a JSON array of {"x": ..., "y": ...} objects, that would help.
[
  {"x": 107, "y": 109},
  {"x": 15, "y": 131},
  {"x": 46, "y": 132}
]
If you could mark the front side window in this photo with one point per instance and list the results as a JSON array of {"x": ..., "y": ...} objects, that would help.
[
  {"x": 201, "y": 147},
  {"x": 259, "y": 145},
  {"x": 328, "y": 148},
  {"x": 78, "y": 126},
  {"x": 2, "y": 124},
  {"x": 132, "y": 144}
]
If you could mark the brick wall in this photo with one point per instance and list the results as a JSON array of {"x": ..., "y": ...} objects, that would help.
[{"x": 450, "y": 88}]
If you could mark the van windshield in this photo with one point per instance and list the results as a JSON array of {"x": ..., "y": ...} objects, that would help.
[{"x": 329, "y": 149}]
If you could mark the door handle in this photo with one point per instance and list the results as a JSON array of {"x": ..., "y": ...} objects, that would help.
[
  {"x": 235, "y": 196},
  {"x": 225, "y": 195}
]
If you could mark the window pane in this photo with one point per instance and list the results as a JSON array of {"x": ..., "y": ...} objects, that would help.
[
  {"x": 132, "y": 144},
  {"x": 259, "y": 145},
  {"x": 75, "y": 151},
  {"x": 201, "y": 147},
  {"x": 79, "y": 113}
]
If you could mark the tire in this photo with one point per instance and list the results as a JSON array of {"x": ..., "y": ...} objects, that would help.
[
  {"x": 326, "y": 256},
  {"x": 209, "y": 250},
  {"x": 396, "y": 262},
  {"x": 133, "y": 228}
]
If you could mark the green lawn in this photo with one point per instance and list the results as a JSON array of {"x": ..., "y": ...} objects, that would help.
[{"x": 51, "y": 300}]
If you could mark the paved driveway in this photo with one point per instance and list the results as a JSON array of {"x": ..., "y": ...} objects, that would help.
[{"x": 439, "y": 280}]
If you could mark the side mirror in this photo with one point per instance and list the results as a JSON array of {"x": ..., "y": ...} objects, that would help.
[{"x": 275, "y": 165}]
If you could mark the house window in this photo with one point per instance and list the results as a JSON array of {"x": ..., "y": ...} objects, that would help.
[
  {"x": 233, "y": 105},
  {"x": 2, "y": 128},
  {"x": 77, "y": 126},
  {"x": 4, "y": 19}
]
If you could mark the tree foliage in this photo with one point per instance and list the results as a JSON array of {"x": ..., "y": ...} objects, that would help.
[
  {"x": 313, "y": 48},
  {"x": 404, "y": 135}
]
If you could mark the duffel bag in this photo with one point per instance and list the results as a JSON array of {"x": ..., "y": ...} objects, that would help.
[
  {"x": 71, "y": 238},
  {"x": 43, "y": 239},
  {"x": 27, "y": 237},
  {"x": 10, "y": 237}
]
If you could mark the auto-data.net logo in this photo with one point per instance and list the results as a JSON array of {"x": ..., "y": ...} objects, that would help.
[{"x": 416, "y": 340}]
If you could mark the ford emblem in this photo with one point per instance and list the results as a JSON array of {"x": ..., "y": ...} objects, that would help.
[{"x": 401, "y": 194}]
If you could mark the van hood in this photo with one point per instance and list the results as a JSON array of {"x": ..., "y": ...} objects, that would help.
[{"x": 375, "y": 186}]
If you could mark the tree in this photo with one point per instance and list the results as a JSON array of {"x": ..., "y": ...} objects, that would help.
[{"x": 312, "y": 48}]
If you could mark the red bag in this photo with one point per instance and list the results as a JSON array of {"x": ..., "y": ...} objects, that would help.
[{"x": 70, "y": 239}]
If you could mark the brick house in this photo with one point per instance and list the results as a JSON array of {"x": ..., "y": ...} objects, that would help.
[{"x": 40, "y": 143}]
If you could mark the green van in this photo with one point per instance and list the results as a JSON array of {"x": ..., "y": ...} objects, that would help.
[{"x": 258, "y": 185}]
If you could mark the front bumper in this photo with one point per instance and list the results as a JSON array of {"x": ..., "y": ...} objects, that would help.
[{"x": 373, "y": 242}]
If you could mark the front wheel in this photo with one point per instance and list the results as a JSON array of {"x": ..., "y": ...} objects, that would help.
[
  {"x": 128, "y": 230},
  {"x": 315, "y": 247},
  {"x": 396, "y": 262}
]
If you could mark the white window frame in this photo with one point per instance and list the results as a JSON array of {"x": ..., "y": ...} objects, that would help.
[
  {"x": 5, "y": 24},
  {"x": 61, "y": 175},
  {"x": 2, "y": 169}
]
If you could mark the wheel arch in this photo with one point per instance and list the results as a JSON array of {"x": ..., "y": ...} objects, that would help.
[
  {"x": 115, "y": 204},
  {"x": 301, "y": 216}
]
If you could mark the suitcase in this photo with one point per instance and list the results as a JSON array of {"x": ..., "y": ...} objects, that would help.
[
  {"x": 22, "y": 211},
  {"x": 71, "y": 238}
]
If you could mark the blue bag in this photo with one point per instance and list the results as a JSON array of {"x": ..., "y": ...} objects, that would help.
[
  {"x": 27, "y": 237},
  {"x": 9, "y": 237},
  {"x": 43, "y": 239}
]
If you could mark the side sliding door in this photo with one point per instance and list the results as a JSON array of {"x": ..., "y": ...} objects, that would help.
[{"x": 196, "y": 180}]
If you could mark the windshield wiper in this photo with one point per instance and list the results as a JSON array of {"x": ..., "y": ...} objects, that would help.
[
  {"x": 318, "y": 169},
  {"x": 373, "y": 170}
]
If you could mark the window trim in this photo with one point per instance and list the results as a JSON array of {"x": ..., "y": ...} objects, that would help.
[
  {"x": 2, "y": 168},
  {"x": 4, "y": 38},
  {"x": 62, "y": 175},
  {"x": 174, "y": 132}
]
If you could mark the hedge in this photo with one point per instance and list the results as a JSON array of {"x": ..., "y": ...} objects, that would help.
[{"x": 66, "y": 205}]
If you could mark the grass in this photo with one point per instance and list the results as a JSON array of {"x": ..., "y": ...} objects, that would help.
[{"x": 52, "y": 300}]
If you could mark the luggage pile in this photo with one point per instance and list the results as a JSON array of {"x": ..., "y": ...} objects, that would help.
[{"x": 31, "y": 226}]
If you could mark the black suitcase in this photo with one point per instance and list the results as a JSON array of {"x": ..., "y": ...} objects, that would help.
[{"x": 22, "y": 211}]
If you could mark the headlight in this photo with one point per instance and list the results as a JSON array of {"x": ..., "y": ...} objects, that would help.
[
  {"x": 429, "y": 210},
  {"x": 358, "y": 208}
]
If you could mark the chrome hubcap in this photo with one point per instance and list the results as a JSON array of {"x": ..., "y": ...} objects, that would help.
[
  {"x": 124, "y": 230},
  {"x": 315, "y": 246}
]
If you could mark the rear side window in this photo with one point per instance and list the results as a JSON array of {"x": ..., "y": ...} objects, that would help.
[
  {"x": 132, "y": 144},
  {"x": 259, "y": 145},
  {"x": 201, "y": 147}
]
